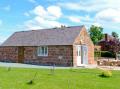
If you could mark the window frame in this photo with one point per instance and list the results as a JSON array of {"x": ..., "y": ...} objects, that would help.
[{"x": 42, "y": 51}]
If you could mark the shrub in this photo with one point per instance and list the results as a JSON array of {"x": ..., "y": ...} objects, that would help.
[
  {"x": 104, "y": 54},
  {"x": 106, "y": 73},
  {"x": 97, "y": 53},
  {"x": 107, "y": 54}
]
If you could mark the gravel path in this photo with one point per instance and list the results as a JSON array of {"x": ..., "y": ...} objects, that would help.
[{"x": 19, "y": 65}]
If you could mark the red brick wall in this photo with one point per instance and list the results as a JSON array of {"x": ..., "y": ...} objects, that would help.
[
  {"x": 8, "y": 54},
  {"x": 53, "y": 56},
  {"x": 83, "y": 38},
  {"x": 74, "y": 55},
  {"x": 30, "y": 53}
]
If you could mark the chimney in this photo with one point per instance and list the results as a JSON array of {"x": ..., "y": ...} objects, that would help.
[
  {"x": 62, "y": 27},
  {"x": 106, "y": 37}
]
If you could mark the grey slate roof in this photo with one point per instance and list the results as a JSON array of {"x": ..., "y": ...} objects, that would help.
[{"x": 54, "y": 36}]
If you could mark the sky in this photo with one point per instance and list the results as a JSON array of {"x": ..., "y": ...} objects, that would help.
[{"x": 22, "y": 15}]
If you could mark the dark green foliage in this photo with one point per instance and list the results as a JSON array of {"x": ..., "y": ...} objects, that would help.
[
  {"x": 107, "y": 54},
  {"x": 114, "y": 34},
  {"x": 104, "y": 54},
  {"x": 96, "y": 33},
  {"x": 97, "y": 53}
]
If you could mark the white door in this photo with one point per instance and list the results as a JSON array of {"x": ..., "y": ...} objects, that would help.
[
  {"x": 78, "y": 55},
  {"x": 84, "y": 56}
]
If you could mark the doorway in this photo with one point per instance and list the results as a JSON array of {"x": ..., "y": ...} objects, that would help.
[
  {"x": 20, "y": 54},
  {"x": 79, "y": 61},
  {"x": 82, "y": 55}
]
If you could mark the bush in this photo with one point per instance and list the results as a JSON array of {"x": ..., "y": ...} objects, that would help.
[
  {"x": 106, "y": 73},
  {"x": 97, "y": 53},
  {"x": 104, "y": 54}
]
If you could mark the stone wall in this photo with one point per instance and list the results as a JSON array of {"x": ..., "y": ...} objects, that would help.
[
  {"x": 58, "y": 55},
  {"x": 8, "y": 54}
]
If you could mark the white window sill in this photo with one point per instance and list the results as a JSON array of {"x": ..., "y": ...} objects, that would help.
[{"x": 42, "y": 55}]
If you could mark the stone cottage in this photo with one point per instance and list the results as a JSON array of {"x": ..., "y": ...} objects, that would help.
[{"x": 65, "y": 46}]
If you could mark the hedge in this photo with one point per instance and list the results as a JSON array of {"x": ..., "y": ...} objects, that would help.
[{"x": 104, "y": 54}]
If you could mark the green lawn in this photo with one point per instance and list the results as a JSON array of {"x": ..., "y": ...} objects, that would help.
[{"x": 17, "y": 78}]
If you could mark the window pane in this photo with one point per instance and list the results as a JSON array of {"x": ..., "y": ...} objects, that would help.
[
  {"x": 46, "y": 50},
  {"x": 39, "y": 51},
  {"x": 42, "y": 49}
]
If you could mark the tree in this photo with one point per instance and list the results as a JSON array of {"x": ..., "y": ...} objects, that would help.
[
  {"x": 114, "y": 34},
  {"x": 114, "y": 46},
  {"x": 96, "y": 33}
]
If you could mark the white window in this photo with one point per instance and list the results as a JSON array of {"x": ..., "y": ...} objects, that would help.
[{"x": 42, "y": 51}]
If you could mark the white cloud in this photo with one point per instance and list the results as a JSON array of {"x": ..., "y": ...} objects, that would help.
[
  {"x": 39, "y": 10},
  {"x": 44, "y": 17},
  {"x": 31, "y": 24},
  {"x": 86, "y": 18},
  {"x": 74, "y": 19},
  {"x": 90, "y": 5},
  {"x": 52, "y": 12},
  {"x": 55, "y": 11},
  {"x": 78, "y": 19},
  {"x": 97, "y": 24},
  {"x": 77, "y": 6},
  {"x": 108, "y": 15},
  {"x": 39, "y": 23},
  {"x": 49, "y": 23},
  {"x": 105, "y": 13}
]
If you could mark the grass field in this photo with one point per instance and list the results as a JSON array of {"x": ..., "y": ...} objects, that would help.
[{"x": 17, "y": 78}]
